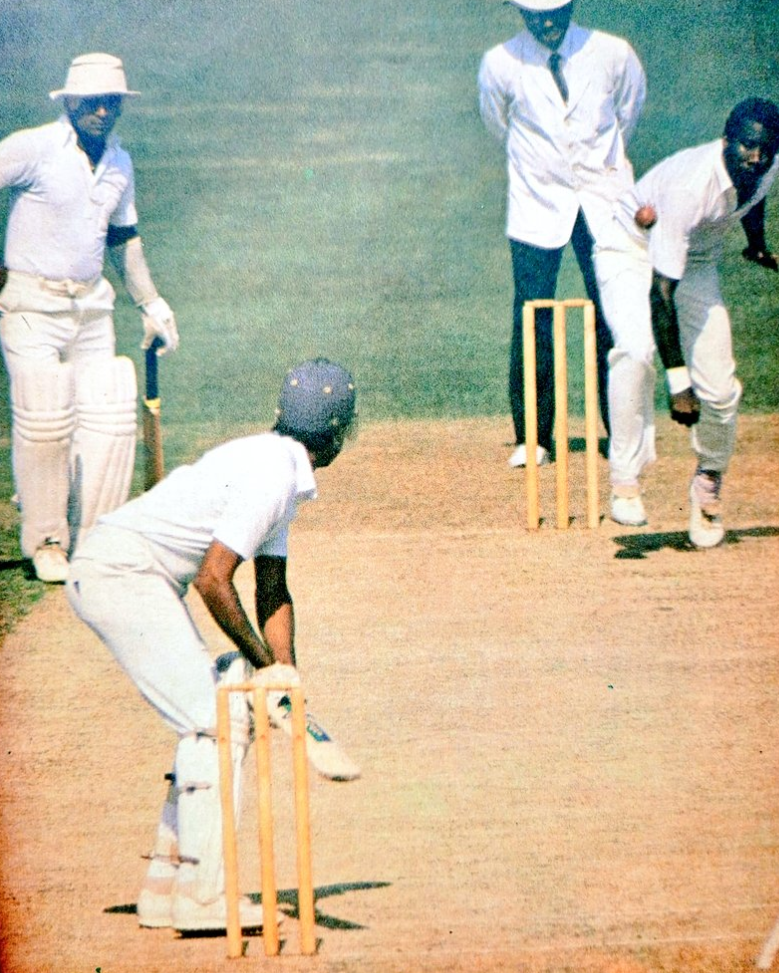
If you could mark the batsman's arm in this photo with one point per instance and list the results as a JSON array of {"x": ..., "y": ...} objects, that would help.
[
  {"x": 685, "y": 407},
  {"x": 275, "y": 611},
  {"x": 125, "y": 250},
  {"x": 276, "y": 618},
  {"x": 214, "y": 584}
]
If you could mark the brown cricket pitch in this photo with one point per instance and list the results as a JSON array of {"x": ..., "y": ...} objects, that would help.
[{"x": 567, "y": 737}]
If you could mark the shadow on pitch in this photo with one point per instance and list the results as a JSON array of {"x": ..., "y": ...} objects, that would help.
[
  {"x": 635, "y": 547},
  {"x": 288, "y": 903},
  {"x": 19, "y": 564}
]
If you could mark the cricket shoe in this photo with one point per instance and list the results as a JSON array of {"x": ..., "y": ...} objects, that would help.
[
  {"x": 155, "y": 908},
  {"x": 189, "y": 915},
  {"x": 519, "y": 456},
  {"x": 51, "y": 563},
  {"x": 706, "y": 527},
  {"x": 627, "y": 507}
]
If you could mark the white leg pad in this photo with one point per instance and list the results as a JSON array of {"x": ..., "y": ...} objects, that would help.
[
  {"x": 44, "y": 419},
  {"x": 166, "y": 845},
  {"x": 103, "y": 455},
  {"x": 201, "y": 873}
]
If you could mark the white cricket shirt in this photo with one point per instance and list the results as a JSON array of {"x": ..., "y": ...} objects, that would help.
[
  {"x": 60, "y": 209},
  {"x": 243, "y": 493},
  {"x": 695, "y": 202},
  {"x": 562, "y": 156}
]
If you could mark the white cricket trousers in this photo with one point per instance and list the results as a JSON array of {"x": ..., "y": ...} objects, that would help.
[
  {"x": 49, "y": 326},
  {"x": 117, "y": 587},
  {"x": 624, "y": 279}
]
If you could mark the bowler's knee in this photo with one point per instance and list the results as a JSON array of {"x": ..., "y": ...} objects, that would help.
[
  {"x": 723, "y": 401},
  {"x": 637, "y": 353}
]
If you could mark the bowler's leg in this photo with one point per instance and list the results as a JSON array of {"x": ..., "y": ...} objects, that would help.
[
  {"x": 582, "y": 242},
  {"x": 704, "y": 326},
  {"x": 705, "y": 330},
  {"x": 624, "y": 279}
]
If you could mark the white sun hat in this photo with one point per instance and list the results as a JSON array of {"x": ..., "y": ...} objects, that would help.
[
  {"x": 540, "y": 5},
  {"x": 94, "y": 74}
]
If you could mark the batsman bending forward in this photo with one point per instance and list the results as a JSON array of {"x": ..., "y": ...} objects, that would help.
[{"x": 128, "y": 580}]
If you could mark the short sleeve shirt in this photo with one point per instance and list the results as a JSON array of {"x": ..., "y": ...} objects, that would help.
[
  {"x": 695, "y": 202},
  {"x": 244, "y": 493},
  {"x": 60, "y": 210}
]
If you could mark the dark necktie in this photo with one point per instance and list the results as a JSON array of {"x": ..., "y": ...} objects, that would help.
[{"x": 555, "y": 66}]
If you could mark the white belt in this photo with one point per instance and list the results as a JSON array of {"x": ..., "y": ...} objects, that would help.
[{"x": 62, "y": 288}]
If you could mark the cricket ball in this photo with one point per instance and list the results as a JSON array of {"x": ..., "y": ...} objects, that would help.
[{"x": 646, "y": 217}]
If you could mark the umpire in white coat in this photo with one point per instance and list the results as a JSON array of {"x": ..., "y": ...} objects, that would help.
[
  {"x": 128, "y": 580},
  {"x": 73, "y": 402},
  {"x": 564, "y": 101}
]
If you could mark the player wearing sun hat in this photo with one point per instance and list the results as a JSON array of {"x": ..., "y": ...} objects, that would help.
[
  {"x": 94, "y": 74},
  {"x": 73, "y": 402}
]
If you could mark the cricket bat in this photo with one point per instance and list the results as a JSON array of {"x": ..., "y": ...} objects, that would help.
[
  {"x": 324, "y": 754},
  {"x": 154, "y": 464}
]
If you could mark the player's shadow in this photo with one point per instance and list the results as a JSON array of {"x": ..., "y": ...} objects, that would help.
[
  {"x": 288, "y": 903},
  {"x": 636, "y": 547},
  {"x": 289, "y": 897}
]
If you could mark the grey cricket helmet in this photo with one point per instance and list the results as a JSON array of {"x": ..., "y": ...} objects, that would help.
[{"x": 316, "y": 403}]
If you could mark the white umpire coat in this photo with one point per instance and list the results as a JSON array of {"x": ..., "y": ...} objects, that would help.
[{"x": 562, "y": 156}]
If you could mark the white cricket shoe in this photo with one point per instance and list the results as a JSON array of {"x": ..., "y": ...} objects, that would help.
[
  {"x": 51, "y": 563},
  {"x": 188, "y": 915},
  {"x": 706, "y": 527},
  {"x": 627, "y": 507},
  {"x": 154, "y": 909},
  {"x": 519, "y": 456}
]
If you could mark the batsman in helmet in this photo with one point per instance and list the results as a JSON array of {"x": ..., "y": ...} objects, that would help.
[{"x": 128, "y": 580}]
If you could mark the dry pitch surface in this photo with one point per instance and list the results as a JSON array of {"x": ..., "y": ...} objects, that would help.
[{"x": 569, "y": 739}]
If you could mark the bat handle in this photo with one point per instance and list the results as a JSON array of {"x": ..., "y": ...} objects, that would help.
[{"x": 152, "y": 386}]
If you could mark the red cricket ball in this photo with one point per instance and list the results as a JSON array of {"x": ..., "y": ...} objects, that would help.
[{"x": 646, "y": 217}]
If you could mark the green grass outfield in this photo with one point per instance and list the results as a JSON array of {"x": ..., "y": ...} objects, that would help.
[{"x": 313, "y": 178}]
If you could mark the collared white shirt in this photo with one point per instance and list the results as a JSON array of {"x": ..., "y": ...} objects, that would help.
[
  {"x": 60, "y": 209},
  {"x": 695, "y": 202},
  {"x": 243, "y": 493},
  {"x": 562, "y": 156}
]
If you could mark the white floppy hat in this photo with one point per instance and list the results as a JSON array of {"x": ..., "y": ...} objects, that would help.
[
  {"x": 540, "y": 5},
  {"x": 94, "y": 74}
]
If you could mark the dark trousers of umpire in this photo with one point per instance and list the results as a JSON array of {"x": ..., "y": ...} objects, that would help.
[{"x": 535, "y": 278}]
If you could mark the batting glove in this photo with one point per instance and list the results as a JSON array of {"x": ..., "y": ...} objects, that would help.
[{"x": 159, "y": 322}]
